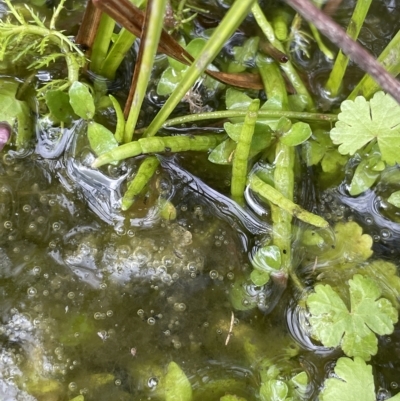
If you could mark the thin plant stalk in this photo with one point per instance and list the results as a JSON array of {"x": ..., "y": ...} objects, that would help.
[
  {"x": 339, "y": 68},
  {"x": 117, "y": 53},
  {"x": 101, "y": 43},
  {"x": 225, "y": 29},
  {"x": 355, "y": 51},
  {"x": 241, "y": 156},
  {"x": 150, "y": 45},
  {"x": 146, "y": 170},
  {"x": 287, "y": 67},
  {"x": 262, "y": 114},
  {"x": 390, "y": 59}
]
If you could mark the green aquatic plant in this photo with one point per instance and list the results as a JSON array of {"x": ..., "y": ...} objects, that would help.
[
  {"x": 353, "y": 330},
  {"x": 354, "y": 381}
]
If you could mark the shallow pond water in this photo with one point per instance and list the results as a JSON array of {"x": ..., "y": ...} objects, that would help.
[{"x": 97, "y": 302}]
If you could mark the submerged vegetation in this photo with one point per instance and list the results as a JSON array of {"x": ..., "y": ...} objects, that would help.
[{"x": 291, "y": 282}]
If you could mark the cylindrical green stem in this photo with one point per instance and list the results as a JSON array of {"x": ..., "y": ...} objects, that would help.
[
  {"x": 142, "y": 177},
  {"x": 157, "y": 144},
  {"x": 150, "y": 49},
  {"x": 225, "y": 29},
  {"x": 390, "y": 59},
  {"x": 240, "y": 159},
  {"x": 336, "y": 76},
  {"x": 287, "y": 67},
  {"x": 117, "y": 53},
  {"x": 262, "y": 114},
  {"x": 276, "y": 197},
  {"x": 101, "y": 43}
]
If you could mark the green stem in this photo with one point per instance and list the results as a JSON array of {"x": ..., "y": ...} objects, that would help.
[
  {"x": 262, "y": 114},
  {"x": 287, "y": 67},
  {"x": 390, "y": 59},
  {"x": 101, "y": 43},
  {"x": 240, "y": 159},
  {"x": 158, "y": 144},
  {"x": 283, "y": 202},
  {"x": 339, "y": 68},
  {"x": 321, "y": 45},
  {"x": 152, "y": 38},
  {"x": 145, "y": 172},
  {"x": 117, "y": 53},
  {"x": 235, "y": 15}
]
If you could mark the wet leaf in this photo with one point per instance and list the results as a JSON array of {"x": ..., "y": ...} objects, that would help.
[
  {"x": 361, "y": 121},
  {"x": 169, "y": 80},
  {"x": 244, "y": 55},
  {"x": 223, "y": 153},
  {"x": 297, "y": 134},
  {"x": 100, "y": 138},
  {"x": 354, "y": 331},
  {"x": 364, "y": 176},
  {"x": 259, "y": 277},
  {"x": 177, "y": 385},
  {"x": 236, "y": 99},
  {"x": 355, "y": 382},
  {"x": 81, "y": 100},
  {"x": 58, "y": 103},
  {"x": 267, "y": 258},
  {"x": 394, "y": 199},
  {"x": 274, "y": 390},
  {"x": 351, "y": 244},
  {"x": 15, "y": 112}
]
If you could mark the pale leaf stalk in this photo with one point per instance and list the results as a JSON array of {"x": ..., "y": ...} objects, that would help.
[
  {"x": 390, "y": 59},
  {"x": 117, "y": 53},
  {"x": 56, "y": 14},
  {"x": 101, "y": 43},
  {"x": 241, "y": 156},
  {"x": 235, "y": 15},
  {"x": 237, "y": 113},
  {"x": 156, "y": 20},
  {"x": 287, "y": 67},
  {"x": 339, "y": 68}
]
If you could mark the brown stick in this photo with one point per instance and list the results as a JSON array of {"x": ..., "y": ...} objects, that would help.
[
  {"x": 132, "y": 19},
  {"x": 355, "y": 51},
  {"x": 89, "y": 26}
]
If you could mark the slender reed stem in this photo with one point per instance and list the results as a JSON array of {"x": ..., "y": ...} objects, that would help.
[
  {"x": 339, "y": 68},
  {"x": 225, "y": 29}
]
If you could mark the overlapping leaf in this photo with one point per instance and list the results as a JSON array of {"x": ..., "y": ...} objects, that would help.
[
  {"x": 361, "y": 122},
  {"x": 334, "y": 325}
]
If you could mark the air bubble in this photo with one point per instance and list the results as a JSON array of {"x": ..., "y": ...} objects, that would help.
[
  {"x": 43, "y": 199},
  {"x": 71, "y": 295},
  {"x": 109, "y": 313},
  {"x": 192, "y": 267},
  {"x": 213, "y": 274},
  {"x": 56, "y": 226},
  {"x": 8, "y": 225},
  {"x": 151, "y": 321},
  {"x": 140, "y": 312},
  {"x": 45, "y": 293},
  {"x": 52, "y": 202},
  {"x": 118, "y": 382},
  {"x": 99, "y": 316},
  {"x": 36, "y": 270},
  {"x": 72, "y": 386},
  {"x": 385, "y": 233},
  {"x": 32, "y": 291},
  {"x": 179, "y": 307},
  {"x": 369, "y": 220},
  {"x": 32, "y": 227},
  {"x": 152, "y": 382},
  {"x": 27, "y": 208}
]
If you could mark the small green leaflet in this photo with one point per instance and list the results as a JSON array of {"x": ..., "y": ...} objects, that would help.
[
  {"x": 355, "y": 382},
  {"x": 81, "y": 100},
  {"x": 177, "y": 385},
  {"x": 333, "y": 324},
  {"x": 230, "y": 397},
  {"x": 394, "y": 199},
  {"x": 101, "y": 139},
  {"x": 297, "y": 134},
  {"x": 361, "y": 121},
  {"x": 243, "y": 55},
  {"x": 58, "y": 103}
]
